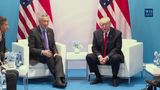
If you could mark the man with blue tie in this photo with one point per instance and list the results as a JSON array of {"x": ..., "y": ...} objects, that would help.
[
  {"x": 107, "y": 44},
  {"x": 43, "y": 49}
]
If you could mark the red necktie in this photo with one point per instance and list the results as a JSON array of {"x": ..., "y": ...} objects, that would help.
[{"x": 105, "y": 44}]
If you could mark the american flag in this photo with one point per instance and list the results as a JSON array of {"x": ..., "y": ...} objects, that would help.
[
  {"x": 29, "y": 11},
  {"x": 118, "y": 12}
]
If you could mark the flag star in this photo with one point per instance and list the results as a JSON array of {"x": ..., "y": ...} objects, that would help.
[{"x": 23, "y": 3}]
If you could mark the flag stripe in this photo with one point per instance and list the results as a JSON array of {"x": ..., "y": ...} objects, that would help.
[
  {"x": 22, "y": 36},
  {"x": 123, "y": 5},
  {"x": 46, "y": 4},
  {"x": 111, "y": 18},
  {"x": 24, "y": 23},
  {"x": 32, "y": 5},
  {"x": 123, "y": 26},
  {"x": 99, "y": 14},
  {"x": 112, "y": 6},
  {"x": 23, "y": 13},
  {"x": 30, "y": 17},
  {"x": 23, "y": 28}
]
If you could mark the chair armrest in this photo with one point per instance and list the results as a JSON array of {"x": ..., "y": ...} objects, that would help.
[
  {"x": 62, "y": 51},
  {"x": 134, "y": 57},
  {"x": 90, "y": 48},
  {"x": 17, "y": 47}
]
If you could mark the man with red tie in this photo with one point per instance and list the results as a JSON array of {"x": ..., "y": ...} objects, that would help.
[{"x": 107, "y": 44}]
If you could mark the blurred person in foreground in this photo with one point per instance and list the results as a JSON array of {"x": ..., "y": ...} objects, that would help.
[{"x": 11, "y": 75}]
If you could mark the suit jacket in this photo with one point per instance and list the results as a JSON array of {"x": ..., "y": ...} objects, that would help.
[
  {"x": 3, "y": 48},
  {"x": 114, "y": 43},
  {"x": 36, "y": 43}
]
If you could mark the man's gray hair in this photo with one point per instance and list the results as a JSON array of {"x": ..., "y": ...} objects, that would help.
[{"x": 43, "y": 15}]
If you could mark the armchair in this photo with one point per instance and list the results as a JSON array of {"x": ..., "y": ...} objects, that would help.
[
  {"x": 133, "y": 63},
  {"x": 39, "y": 70}
]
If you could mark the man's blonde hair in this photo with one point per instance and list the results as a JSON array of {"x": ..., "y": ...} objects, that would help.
[{"x": 104, "y": 20}]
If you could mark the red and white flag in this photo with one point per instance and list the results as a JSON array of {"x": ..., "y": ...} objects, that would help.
[
  {"x": 118, "y": 12},
  {"x": 29, "y": 10}
]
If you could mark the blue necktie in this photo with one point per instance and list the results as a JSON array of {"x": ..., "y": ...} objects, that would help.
[{"x": 45, "y": 40}]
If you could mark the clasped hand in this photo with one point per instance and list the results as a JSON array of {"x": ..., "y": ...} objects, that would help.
[
  {"x": 48, "y": 53},
  {"x": 103, "y": 60}
]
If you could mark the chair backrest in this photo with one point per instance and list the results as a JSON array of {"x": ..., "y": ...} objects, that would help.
[
  {"x": 125, "y": 43},
  {"x": 23, "y": 42},
  {"x": 24, "y": 50}
]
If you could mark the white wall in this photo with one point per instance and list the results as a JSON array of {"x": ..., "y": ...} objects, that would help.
[{"x": 74, "y": 20}]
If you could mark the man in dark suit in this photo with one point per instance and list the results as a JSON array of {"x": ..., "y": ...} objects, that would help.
[
  {"x": 107, "y": 43},
  {"x": 43, "y": 49},
  {"x": 11, "y": 75}
]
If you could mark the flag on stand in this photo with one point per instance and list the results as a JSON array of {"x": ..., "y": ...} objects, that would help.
[
  {"x": 118, "y": 12},
  {"x": 29, "y": 11}
]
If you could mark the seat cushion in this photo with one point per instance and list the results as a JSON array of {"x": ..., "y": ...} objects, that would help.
[
  {"x": 38, "y": 70},
  {"x": 107, "y": 71},
  {"x": 38, "y": 66}
]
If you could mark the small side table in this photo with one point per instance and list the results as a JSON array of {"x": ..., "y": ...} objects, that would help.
[
  {"x": 71, "y": 56},
  {"x": 153, "y": 70}
]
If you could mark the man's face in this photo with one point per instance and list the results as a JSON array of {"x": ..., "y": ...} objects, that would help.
[
  {"x": 4, "y": 27},
  {"x": 44, "y": 21},
  {"x": 105, "y": 26}
]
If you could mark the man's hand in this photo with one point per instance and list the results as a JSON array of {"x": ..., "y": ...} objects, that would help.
[
  {"x": 104, "y": 60},
  {"x": 55, "y": 54},
  {"x": 47, "y": 53}
]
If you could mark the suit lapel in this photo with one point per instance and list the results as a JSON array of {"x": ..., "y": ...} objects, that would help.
[
  {"x": 40, "y": 35},
  {"x": 101, "y": 37},
  {"x": 110, "y": 35},
  {"x": 48, "y": 35}
]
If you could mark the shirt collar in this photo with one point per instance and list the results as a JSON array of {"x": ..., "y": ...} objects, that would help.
[
  {"x": 107, "y": 33},
  {"x": 42, "y": 29}
]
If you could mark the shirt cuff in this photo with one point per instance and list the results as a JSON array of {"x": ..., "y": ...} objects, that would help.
[
  {"x": 99, "y": 56},
  {"x": 41, "y": 52},
  {"x": 107, "y": 57}
]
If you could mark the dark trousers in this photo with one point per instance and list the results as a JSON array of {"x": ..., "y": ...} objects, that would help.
[
  {"x": 150, "y": 87},
  {"x": 11, "y": 79},
  {"x": 114, "y": 61},
  {"x": 54, "y": 64}
]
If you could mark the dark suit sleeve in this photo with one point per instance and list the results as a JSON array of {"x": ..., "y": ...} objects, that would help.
[
  {"x": 3, "y": 48},
  {"x": 118, "y": 45},
  {"x": 54, "y": 48},
  {"x": 31, "y": 44},
  {"x": 95, "y": 48}
]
